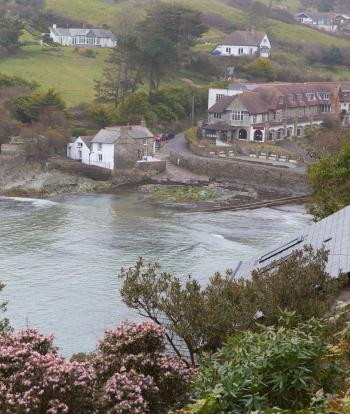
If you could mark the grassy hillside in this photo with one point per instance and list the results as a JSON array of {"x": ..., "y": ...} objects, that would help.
[
  {"x": 73, "y": 74},
  {"x": 70, "y": 73}
]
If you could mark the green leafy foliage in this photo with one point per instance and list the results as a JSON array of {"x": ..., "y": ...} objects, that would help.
[
  {"x": 330, "y": 180},
  {"x": 29, "y": 107},
  {"x": 261, "y": 69},
  {"x": 274, "y": 367},
  {"x": 299, "y": 284}
]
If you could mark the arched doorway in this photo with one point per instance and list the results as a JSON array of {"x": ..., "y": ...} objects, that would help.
[
  {"x": 242, "y": 134},
  {"x": 258, "y": 135}
]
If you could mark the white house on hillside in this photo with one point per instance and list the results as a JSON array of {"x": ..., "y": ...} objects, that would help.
[
  {"x": 83, "y": 37},
  {"x": 245, "y": 43},
  {"x": 113, "y": 147},
  {"x": 79, "y": 148},
  {"x": 322, "y": 21}
]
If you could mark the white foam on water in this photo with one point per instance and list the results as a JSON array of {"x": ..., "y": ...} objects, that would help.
[{"x": 36, "y": 202}]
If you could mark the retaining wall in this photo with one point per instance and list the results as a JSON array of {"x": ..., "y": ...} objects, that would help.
[{"x": 245, "y": 172}]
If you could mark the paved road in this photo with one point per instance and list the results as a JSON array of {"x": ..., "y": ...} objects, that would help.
[{"x": 179, "y": 145}]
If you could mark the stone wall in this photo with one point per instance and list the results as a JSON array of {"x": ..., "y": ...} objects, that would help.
[
  {"x": 77, "y": 168},
  {"x": 153, "y": 167},
  {"x": 245, "y": 172}
]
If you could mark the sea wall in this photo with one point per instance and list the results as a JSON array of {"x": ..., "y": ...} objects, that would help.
[{"x": 293, "y": 180}]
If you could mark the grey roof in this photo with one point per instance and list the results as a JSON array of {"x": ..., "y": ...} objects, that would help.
[
  {"x": 244, "y": 38},
  {"x": 111, "y": 134},
  {"x": 100, "y": 33},
  {"x": 332, "y": 232},
  {"x": 317, "y": 15}
]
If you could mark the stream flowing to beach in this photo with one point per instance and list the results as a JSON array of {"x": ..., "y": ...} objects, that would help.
[{"x": 60, "y": 258}]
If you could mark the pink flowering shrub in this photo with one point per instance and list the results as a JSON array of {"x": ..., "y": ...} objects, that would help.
[
  {"x": 128, "y": 374},
  {"x": 35, "y": 380},
  {"x": 128, "y": 392},
  {"x": 140, "y": 348}
]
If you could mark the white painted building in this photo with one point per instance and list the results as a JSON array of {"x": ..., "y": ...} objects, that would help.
[
  {"x": 113, "y": 145},
  {"x": 245, "y": 43},
  {"x": 321, "y": 21},
  {"x": 216, "y": 94},
  {"x": 83, "y": 37},
  {"x": 79, "y": 148}
]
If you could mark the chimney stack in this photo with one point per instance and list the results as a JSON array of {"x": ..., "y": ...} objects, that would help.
[{"x": 143, "y": 122}]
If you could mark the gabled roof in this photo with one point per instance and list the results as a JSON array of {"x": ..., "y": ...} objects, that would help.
[
  {"x": 87, "y": 139},
  {"x": 111, "y": 134},
  {"x": 221, "y": 104},
  {"x": 244, "y": 38},
  {"x": 254, "y": 103},
  {"x": 333, "y": 233},
  {"x": 100, "y": 33}
]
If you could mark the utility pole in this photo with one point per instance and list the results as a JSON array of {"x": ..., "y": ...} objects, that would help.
[{"x": 192, "y": 116}]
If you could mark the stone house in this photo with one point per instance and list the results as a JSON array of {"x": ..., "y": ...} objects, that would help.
[{"x": 245, "y": 43}]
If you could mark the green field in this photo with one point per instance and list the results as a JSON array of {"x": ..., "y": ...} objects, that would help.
[{"x": 68, "y": 72}]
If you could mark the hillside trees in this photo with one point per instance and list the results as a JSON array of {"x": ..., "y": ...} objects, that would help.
[
  {"x": 10, "y": 32},
  {"x": 152, "y": 50}
]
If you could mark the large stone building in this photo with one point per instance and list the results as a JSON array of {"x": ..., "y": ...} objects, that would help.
[{"x": 271, "y": 112}]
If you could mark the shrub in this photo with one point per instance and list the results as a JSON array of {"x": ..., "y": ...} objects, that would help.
[
  {"x": 134, "y": 354},
  {"x": 35, "y": 379},
  {"x": 299, "y": 284},
  {"x": 275, "y": 367}
]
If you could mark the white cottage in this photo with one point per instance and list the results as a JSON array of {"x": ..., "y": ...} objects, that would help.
[
  {"x": 83, "y": 37},
  {"x": 79, "y": 148},
  {"x": 245, "y": 43},
  {"x": 104, "y": 146},
  {"x": 319, "y": 20}
]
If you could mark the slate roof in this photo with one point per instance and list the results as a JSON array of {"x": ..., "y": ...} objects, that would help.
[
  {"x": 254, "y": 103},
  {"x": 221, "y": 104},
  {"x": 244, "y": 38},
  {"x": 99, "y": 33},
  {"x": 111, "y": 134},
  {"x": 332, "y": 232},
  {"x": 87, "y": 139}
]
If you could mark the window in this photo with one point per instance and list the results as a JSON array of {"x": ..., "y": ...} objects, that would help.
[
  {"x": 271, "y": 135},
  {"x": 99, "y": 147},
  {"x": 217, "y": 115},
  {"x": 145, "y": 142},
  {"x": 219, "y": 96},
  {"x": 281, "y": 249},
  {"x": 299, "y": 132},
  {"x": 80, "y": 144},
  {"x": 251, "y": 51},
  {"x": 326, "y": 108},
  {"x": 100, "y": 158},
  {"x": 255, "y": 119},
  {"x": 228, "y": 50},
  {"x": 238, "y": 115},
  {"x": 240, "y": 51},
  {"x": 258, "y": 135}
]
